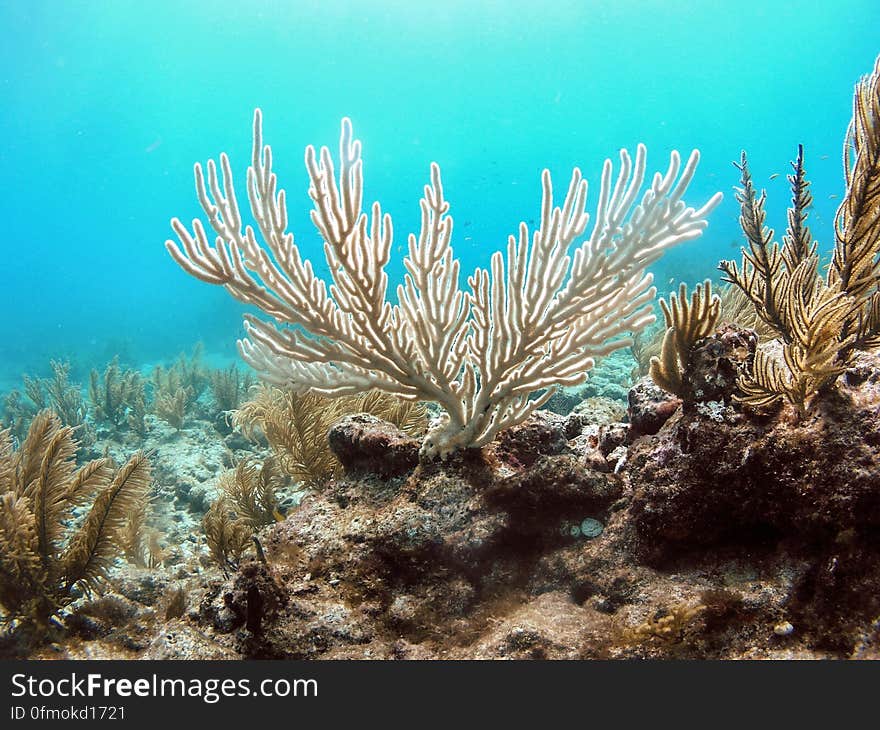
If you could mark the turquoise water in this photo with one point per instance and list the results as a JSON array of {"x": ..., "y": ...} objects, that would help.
[{"x": 105, "y": 106}]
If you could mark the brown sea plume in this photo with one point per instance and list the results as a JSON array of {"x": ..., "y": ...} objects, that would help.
[{"x": 47, "y": 552}]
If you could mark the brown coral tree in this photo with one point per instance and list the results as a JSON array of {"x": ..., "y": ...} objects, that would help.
[{"x": 821, "y": 321}]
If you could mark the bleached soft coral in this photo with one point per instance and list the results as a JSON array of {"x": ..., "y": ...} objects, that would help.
[{"x": 491, "y": 355}]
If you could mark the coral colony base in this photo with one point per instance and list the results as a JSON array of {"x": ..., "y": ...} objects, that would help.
[{"x": 434, "y": 478}]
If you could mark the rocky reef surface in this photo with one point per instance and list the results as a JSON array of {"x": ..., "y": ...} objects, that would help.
[{"x": 695, "y": 530}]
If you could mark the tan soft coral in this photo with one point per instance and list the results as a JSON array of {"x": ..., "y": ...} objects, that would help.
[
  {"x": 42, "y": 557},
  {"x": 821, "y": 322}
]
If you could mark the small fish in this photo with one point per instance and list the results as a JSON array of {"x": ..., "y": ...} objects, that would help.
[
  {"x": 671, "y": 279},
  {"x": 833, "y": 196},
  {"x": 774, "y": 176},
  {"x": 467, "y": 238},
  {"x": 823, "y": 157}
]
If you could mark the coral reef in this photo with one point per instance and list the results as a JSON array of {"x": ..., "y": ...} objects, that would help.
[
  {"x": 738, "y": 309},
  {"x": 599, "y": 410},
  {"x": 18, "y": 412},
  {"x": 537, "y": 549},
  {"x": 190, "y": 372},
  {"x": 697, "y": 523},
  {"x": 357, "y": 440},
  {"x": 251, "y": 489},
  {"x": 172, "y": 407},
  {"x": 650, "y": 406},
  {"x": 140, "y": 545},
  {"x": 715, "y": 478},
  {"x": 58, "y": 393},
  {"x": 718, "y": 463},
  {"x": 734, "y": 308},
  {"x": 563, "y": 539},
  {"x": 177, "y": 388},
  {"x": 248, "y": 501},
  {"x": 610, "y": 378},
  {"x": 645, "y": 347},
  {"x": 522, "y": 329}
]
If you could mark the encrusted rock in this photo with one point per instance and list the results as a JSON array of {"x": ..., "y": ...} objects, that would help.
[
  {"x": 102, "y": 616},
  {"x": 222, "y": 423},
  {"x": 556, "y": 484},
  {"x": 250, "y": 598},
  {"x": 719, "y": 533},
  {"x": 236, "y": 441},
  {"x": 717, "y": 361},
  {"x": 597, "y": 411},
  {"x": 612, "y": 436},
  {"x": 562, "y": 401},
  {"x": 542, "y": 434},
  {"x": 649, "y": 407},
  {"x": 718, "y": 475},
  {"x": 179, "y": 640},
  {"x": 365, "y": 444},
  {"x": 550, "y": 626},
  {"x": 445, "y": 524},
  {"x": 142, "y": 585}
]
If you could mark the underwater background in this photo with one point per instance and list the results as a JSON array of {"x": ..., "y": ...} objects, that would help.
[
  {"x": 709, "y": 492},
  {"x": 105, "y": 106}
]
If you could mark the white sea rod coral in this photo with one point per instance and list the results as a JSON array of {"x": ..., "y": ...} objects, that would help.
[{"x": 490, "y": 355}]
